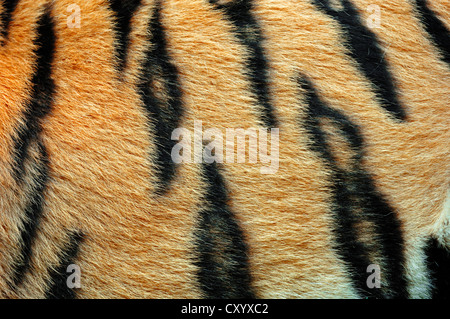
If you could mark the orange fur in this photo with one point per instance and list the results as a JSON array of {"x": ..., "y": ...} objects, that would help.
[{"x": 100, "y": 145}]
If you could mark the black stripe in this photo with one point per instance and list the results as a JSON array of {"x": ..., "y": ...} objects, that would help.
[
  {"x": 435, "y": 28},
  {"x": 438, "y": 259},
  {"x": 42, "y": 91},
  {"x": 29, "y": 138},
  {"x": 223, "y": 267},
  {"x": 6, "y": 17},
  {"x": 162, "y": 98},
  {"x": 124, "y": 11},
  {"x": 366, "y": 51},
  {"x": 355, "y": 200},
  {"x": 250, "y": 35},
  {"x": 352, "y": 251},
  {"x": 58, "y": 288},
  {"x": 32, "y": 216}
]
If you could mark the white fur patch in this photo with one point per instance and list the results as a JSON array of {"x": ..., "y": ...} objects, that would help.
[{"x": 443, "y": 233}]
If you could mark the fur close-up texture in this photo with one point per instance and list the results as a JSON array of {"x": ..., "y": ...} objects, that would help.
[{"x": 224, "y": 149}]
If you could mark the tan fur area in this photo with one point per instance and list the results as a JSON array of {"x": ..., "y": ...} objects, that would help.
[{"x": 101, "y": 146}]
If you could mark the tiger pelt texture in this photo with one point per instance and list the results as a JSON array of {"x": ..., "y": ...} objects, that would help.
[{"x": 224, "y": 149}]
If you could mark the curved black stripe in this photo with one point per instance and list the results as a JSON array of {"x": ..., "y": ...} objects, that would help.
[
  {"x": 352, "y": 251},
  {"x": 29, "y": 138},
  {"x": 438, "y": 259},
  {"x": 42, "y": 91},
  {"x": 250, "y": 35},
  {"x": 32, "y": 216},
  {"x": 355, "y": 200},
  {"x": 435, "y": 28},
  {"x": 223, "y": 254},
  {"x": 6, "y": 17},
  {"x": 366, "y": 51},
  {"x": 161, "y": 94},
  {"x": 58, "y": 288},
  {"x": 124, "y": 11}
]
